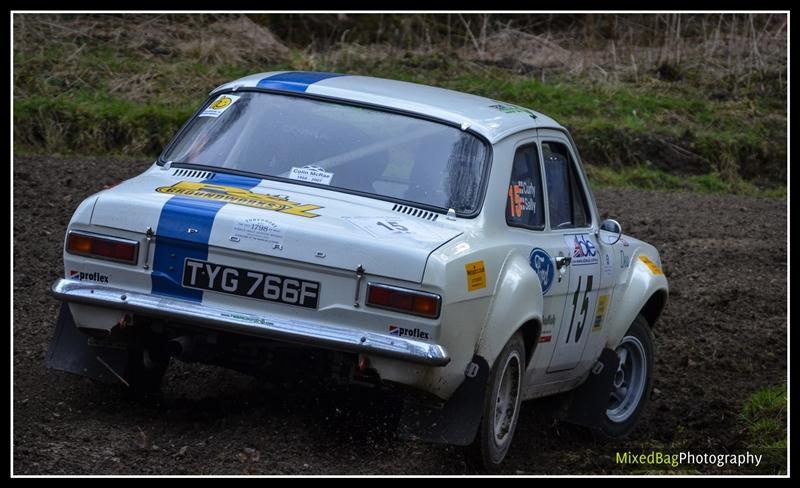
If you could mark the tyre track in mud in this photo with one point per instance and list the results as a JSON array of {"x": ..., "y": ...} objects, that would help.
[{"x": 722, "y": 336}]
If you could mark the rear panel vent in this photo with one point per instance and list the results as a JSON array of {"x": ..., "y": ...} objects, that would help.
[
  {"x": 193, "y": 173},
  {"x": 415, "y": 212}
]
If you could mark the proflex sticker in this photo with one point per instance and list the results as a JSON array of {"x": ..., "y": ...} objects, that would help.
[
  {"x": 602, "y": 306},
  {"x": 406, "y": 332},
  {"x": 476, "y": 275},
  {"x": 542, "y": 265},
  {"x": 583, "y": 249},
  {"x": 84, "y": 276},
  {"x": 258, "y": 229},
  {"x": 312, "y": 174},
  {"x": 220, "y": 105},
  {"x": 650, "y": 264}
]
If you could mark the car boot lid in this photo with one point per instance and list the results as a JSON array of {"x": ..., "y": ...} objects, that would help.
[{"x": 273, "y": 218}]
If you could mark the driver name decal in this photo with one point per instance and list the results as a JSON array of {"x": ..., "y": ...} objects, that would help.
[{"x": 239, "y": 196}]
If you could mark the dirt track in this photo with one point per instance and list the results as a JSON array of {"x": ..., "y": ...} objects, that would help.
[{"x": 722, "y": 336}]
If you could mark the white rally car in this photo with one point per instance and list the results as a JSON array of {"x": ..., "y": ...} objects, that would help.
[{"x": 439, "y": 244}]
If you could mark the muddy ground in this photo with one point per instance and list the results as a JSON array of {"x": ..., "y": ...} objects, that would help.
[{"x": 723, "y": 335}]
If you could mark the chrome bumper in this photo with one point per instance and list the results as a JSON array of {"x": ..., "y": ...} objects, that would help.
[{"x": 296, "y": 331}]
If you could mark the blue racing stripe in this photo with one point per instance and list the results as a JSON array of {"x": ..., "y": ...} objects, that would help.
[
  {"x": 174, "y": 242},
  {"x": 297, "y": 81}
]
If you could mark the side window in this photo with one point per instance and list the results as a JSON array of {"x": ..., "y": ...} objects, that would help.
[
  {"x": 566, "y": 199},
  {"x": 525, "y": 204}
]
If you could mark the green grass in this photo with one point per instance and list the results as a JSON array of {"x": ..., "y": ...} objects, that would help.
[
  {"x": 764, "y": 416},
  {"x": 647, "y": 134},
  {"x": 646, "y": 178}
]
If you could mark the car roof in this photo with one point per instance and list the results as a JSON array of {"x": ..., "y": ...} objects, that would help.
[{"x": 492, "y": 119}]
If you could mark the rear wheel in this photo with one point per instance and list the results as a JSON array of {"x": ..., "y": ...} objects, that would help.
[
  {"x": 501, "y": 405},
  {"x": 632, "y": 381}
]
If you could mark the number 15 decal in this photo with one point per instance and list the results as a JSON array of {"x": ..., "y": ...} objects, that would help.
[
  {"x": 392, "y": 226},
  {"x": 584, "y": 313}
]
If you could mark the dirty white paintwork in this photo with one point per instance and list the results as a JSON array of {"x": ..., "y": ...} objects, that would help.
[
  {"x": 431, "y": 258},
  {"x": 461, "y": 108}
]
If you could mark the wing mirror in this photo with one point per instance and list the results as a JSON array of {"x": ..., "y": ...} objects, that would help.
[{"x": 609, "y": 232}]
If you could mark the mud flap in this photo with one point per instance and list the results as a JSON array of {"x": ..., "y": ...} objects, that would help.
[
  {"x": 455, "y": 423},
  {"x": 70, "y": 351},
  {"x": 589, "y": 401}
]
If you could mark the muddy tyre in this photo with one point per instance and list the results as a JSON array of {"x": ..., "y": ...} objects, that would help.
[
  {"x": 632, "y": 381},
  {"x": 501, "y": 406}
]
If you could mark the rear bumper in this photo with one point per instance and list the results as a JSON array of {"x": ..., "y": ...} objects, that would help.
[{"x": 295, "y": 331}]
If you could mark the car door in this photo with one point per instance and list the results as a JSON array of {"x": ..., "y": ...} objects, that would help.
[
  {"x": 570, "y": 224},
  {"x": 526, "y": 219}
]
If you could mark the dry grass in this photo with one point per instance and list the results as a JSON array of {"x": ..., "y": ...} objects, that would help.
[
  {"x": 223, "y": 38},
  {"x": 630, "y": 47},
  {"x": 690, "y": 94},
  {"x": 134, "y": 54}
]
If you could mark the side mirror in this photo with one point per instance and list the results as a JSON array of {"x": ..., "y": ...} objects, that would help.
[{"x": 610, "y": 232}]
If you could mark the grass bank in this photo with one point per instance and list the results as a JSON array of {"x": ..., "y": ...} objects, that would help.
[{"x": 123, "y": 85}]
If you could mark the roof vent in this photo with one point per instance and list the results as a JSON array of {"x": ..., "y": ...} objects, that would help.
[
  {"x": 415, "y": 212},
  {"x": 193, "y": 173}
]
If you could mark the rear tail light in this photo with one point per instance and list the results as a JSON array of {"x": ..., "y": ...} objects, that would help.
[
  {"x": 103, "y": 247},
  {"x": 404, "y": 300}
]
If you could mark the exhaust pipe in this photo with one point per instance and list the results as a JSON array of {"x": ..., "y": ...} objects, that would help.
[{"x": 181, "y": 348}]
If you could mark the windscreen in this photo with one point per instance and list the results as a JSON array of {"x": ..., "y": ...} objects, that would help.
[{"x": 340, "y": 146}]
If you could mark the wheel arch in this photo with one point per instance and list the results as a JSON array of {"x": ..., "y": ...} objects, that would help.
[
  {"x": 516, "y": 306},
  {"x": 645, "y": 293},
  {"x": 652, "y": 309},
  {"x": 531, "y": 330}
]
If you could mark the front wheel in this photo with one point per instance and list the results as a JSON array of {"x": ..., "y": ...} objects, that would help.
[
  {"x": 632, "y": 380},
  {"x": 501, "y": 405}
]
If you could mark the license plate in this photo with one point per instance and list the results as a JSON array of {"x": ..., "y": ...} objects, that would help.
[{"x": 203, "y": 275}]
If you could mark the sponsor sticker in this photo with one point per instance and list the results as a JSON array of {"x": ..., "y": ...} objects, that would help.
[
  {"x": 84, "y": 276},
  {"x": 602, "y": 306},
  {"x": 507, "y": 108},
  {"x": 650, "y": 264},
  {"x": 405, "y": 332},
  {"x": 548, "y": 324},
  {"x": 248, "y": 318},
  {"x": 583, "y": 249},
  {"x": 476, "y": 275},
  {"x": 258, "y": 229},
  {"x": 542, "y": 265},
  {"x": 311, "y": 174},
  {"x": 608, "y": 268},
  {"x": 220, "y": 105},
  {"x": 239, "y": 196},
  {"x": 624, "y": 259}
]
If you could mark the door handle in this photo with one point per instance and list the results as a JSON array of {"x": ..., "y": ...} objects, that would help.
[{"x": 562, "y": 262}]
